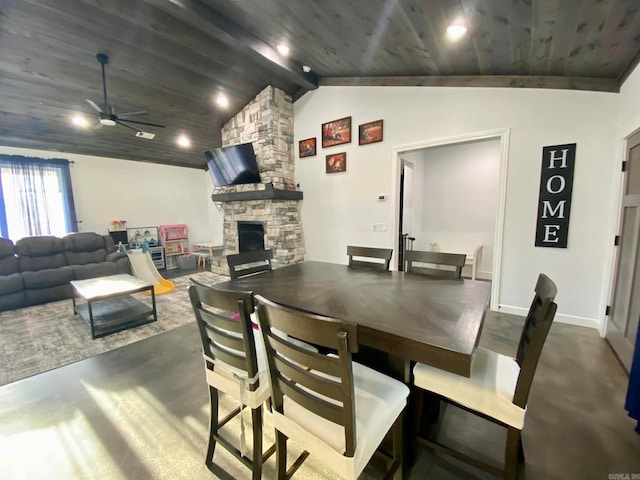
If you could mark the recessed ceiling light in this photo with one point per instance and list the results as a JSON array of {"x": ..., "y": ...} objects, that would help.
[
  {"x": 222, "y": 100},
  {"x": 306, "y": 68},
  {"x": 79, "y": 121},
  {"x": 456, "y": 31},
  {"x": 183, "y": 141},
  {"x": 283, "y": 49}
]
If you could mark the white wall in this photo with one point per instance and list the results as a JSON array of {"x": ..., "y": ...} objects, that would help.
[
  {"x": 457, "y": 198},
  {"x": 341, "y": 208},
  {"x": 143, "y": 194}
]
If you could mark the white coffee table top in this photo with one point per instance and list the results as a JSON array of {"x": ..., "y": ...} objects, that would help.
[{"x": 111, "y": 285}]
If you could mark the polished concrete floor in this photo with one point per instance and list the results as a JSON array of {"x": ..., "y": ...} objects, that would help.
[{"x": 141, "y": 412}]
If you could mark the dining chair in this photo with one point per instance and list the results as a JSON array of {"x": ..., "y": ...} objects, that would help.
[
  {"x": 234, "y": 365},
  {"x": 455, "y": 260},
  {"x": 499, "y": 385},
  {"x": 247, "y": 263},
  {"x": 368, "y": 252},
  {"x": 333, "y": 408}
]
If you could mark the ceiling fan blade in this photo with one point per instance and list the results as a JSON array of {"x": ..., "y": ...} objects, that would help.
[
  {"x": 129, "y": 114},
  {"x": 145, "y": 123},
  {"x": 93, "y": 104},
  {"x": 119, "y": 122}
]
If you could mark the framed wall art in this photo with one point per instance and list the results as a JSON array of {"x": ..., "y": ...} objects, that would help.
[
  {"x": 336, "y": 132},
  {"x": 336, "y": 162},
  {"x": 370, "y": 132},
  {"x": 307, "y": 148}
]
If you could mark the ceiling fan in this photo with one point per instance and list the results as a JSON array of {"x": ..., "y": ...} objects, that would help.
[{"x": 107, "y": 115}]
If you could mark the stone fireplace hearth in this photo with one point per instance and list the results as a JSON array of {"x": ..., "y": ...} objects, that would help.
[{"x": 266, "y": 122}]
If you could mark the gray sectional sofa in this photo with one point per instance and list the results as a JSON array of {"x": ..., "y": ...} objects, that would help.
[{"x": 38, "y": 269}]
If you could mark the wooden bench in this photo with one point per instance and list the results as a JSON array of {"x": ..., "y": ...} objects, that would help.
[{"x": 474, "y": 254}]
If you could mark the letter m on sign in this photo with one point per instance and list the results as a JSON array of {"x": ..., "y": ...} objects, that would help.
[{"x": 554, "y": 203}]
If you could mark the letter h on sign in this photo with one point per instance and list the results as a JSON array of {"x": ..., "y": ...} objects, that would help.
[{"x": 554, "y": 204}]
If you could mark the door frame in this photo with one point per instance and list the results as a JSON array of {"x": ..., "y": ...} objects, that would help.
[{"x": 503, "y": 135}]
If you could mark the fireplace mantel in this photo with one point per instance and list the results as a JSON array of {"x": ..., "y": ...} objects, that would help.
[{"x": 268, "y": 193}]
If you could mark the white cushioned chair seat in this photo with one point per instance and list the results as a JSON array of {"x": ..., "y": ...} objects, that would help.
[
  {"x": 489, "y": 390},
  {"x": 379, "y": 400}
]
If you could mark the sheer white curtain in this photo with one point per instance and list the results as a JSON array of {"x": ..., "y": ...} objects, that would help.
[{"x": 36, "y": 197}]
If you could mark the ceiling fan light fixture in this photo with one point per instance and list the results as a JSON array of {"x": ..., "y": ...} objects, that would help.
[
  {"x": 456, "y": 31},
  {"x": 107, "y": 122},
  {"x": 306, "y": 68}
]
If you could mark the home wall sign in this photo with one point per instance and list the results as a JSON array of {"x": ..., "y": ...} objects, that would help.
[{"x": 554, "y": 203}]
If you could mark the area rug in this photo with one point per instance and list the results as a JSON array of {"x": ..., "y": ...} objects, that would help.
[{"x": 37, "y": 339}]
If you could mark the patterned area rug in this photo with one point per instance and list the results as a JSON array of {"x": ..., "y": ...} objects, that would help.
[{"x": 36, "y": 339}]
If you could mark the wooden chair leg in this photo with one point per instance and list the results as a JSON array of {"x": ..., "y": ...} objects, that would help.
[
  {"x": 398, "y": 446},
  {"x": 281, "y": 455},
  {"x": 256, "y": 420},
  {"x": 213, "y": 426},
  {"x": 520, "y": 451},
  {"x": 511, "y": 453}
]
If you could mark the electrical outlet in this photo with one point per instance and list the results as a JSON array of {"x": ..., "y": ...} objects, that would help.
[{"x": 379, "y": 227}]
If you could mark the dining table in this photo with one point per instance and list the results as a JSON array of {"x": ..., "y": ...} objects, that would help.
[
  {"x": 411, "y": 317},
  {"x": 407, "y": 316}
]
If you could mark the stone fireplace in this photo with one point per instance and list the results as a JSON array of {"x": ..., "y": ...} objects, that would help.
[{"x": 266, "y": 122}]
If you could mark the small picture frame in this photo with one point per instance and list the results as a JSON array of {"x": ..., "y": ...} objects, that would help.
[
  {"x": 370, "y": 132},
  {"x": 307, "y": 147},
  {"x": 336, "y": 132},
  {"x": 336, "y": 163}
]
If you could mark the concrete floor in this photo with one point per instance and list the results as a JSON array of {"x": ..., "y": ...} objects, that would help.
[{"x": 141, "y": 411}]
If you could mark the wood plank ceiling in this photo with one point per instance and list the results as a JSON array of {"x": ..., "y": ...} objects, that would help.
[{"x": 172, "y": 58}]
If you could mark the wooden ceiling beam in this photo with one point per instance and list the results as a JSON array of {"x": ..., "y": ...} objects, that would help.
[
  {"x": 497, "y": 81},
  {"x": 207, "y": 20}
]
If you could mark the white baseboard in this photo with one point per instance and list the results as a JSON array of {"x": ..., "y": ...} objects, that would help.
[
  {"x": 561, "y": 318},
  {"x": 479, "y": 275}
]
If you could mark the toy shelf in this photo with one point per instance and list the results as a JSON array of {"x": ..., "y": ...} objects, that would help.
[{"x": 175, "y": 239}]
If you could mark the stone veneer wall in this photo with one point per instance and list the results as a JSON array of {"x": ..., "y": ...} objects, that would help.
[{"x": 266, "y": 122}]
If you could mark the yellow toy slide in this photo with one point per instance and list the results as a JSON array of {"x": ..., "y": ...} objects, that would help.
[{"x": 144, "y": 269}]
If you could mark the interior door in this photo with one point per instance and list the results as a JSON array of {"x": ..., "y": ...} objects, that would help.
[
  {"x": 406, "y": 209},
  {"x": 625, "y": 309}
]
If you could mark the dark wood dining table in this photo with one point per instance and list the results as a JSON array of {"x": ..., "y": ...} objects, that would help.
[{"x": 409, "y": 316}]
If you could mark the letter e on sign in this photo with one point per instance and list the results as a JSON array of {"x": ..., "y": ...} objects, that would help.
[{"x": 554, "y": 202}]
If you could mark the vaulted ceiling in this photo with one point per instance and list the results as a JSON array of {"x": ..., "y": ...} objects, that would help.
[{"x": 172, "y": 58}]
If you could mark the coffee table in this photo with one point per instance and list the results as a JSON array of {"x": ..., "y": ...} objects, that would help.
[{"x": 109, "y": 306}]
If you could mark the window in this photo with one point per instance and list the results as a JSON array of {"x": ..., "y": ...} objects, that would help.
[{"x": 35, "y": 197}]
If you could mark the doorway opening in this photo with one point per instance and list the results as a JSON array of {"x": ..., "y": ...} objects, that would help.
[{"x": 432, "y": 196}]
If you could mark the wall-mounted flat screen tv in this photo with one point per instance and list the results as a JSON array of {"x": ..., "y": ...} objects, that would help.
[{"x": 233, "y": 165}]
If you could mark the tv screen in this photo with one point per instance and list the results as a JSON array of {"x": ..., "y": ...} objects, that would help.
[{"x": 233, "y": 165}]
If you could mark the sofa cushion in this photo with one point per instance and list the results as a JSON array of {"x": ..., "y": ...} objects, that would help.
[
  {"x": 38, "y": 296},
  {"x": 40, "y": 253},
  {"x": 94, "y": 270},
  {"x": 11, "y": 301},
  {"x": 11, "y": 283},
  {"x": 47, "y": 278},
  {"x": 83, "y": 248},
  {"x": 8, "y": 260}
]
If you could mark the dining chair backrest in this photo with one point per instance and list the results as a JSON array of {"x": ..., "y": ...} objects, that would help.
[
  {"x": 307, "y": 377},
  {"x": 534, "y": 334},
  {"x": 225, "y": 339},
  {"x": 369, "y": 252},
  {"x": 455, "y": 260},
  {"x": 247, "y": 263}
]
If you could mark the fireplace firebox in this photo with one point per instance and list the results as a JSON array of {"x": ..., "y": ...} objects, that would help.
[{"x": 250, "y": 236}]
